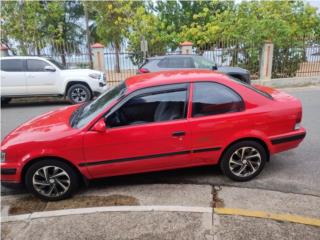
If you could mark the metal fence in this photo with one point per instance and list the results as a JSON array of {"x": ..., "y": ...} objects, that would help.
[{"x": 299, "y": 58}]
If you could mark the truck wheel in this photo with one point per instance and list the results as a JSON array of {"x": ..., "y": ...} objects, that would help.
[
  {"x": 51, "y": 180},
  {"x": 79, "y": 93}
]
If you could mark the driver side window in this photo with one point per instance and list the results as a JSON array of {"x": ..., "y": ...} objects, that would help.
[{"x": 151, "y": 107}]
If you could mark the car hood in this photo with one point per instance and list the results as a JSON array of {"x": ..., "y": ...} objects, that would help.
[
  {"x": 52, "y": 125},
  {"x": 79, "y": 71}
]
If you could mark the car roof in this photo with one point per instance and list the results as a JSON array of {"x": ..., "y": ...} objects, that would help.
[
  {"x": 26, "y": 57},
  {"x": 173, "y": 77},
  {"x": 173, "y": 56}
]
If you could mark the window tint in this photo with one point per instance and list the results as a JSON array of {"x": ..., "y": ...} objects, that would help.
[
  {"x": 201, "y": 62},
  {"x": 214, "y": 98},
  {"x": 150, "y": 107},
  {"x": 176, "y": 62},
  {"x": 34, "y": 65},
  {"x": 13, "y": 65}
]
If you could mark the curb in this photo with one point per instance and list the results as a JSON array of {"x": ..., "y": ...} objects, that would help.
[{"x": 220, "y": 211}]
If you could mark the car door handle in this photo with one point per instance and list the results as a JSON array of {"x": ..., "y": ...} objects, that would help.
[{"x": 178, "y": 134}]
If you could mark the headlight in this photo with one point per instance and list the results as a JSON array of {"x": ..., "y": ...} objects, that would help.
[
  {"x": 3, "y": 156},
  {"x": 94, "y": 75}
]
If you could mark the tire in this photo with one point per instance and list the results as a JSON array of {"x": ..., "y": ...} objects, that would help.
[
  {"x": 245, "y": 168},
  {"x": 5, "y": 100},
  {"x": 50, "y": 188},
  {"x": 79, "y": 93}
]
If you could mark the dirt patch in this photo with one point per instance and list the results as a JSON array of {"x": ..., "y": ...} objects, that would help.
[
  {"x": 93, "y": 201},
  {"x": 24, "y": 205},
  {"x": 216, "y": 201},
  {"x": 31, "y": 204}
]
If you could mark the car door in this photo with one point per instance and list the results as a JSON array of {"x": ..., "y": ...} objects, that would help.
[
  {"x": 13, "y": 79},
  {"x": 216, "y": 115},
  {"x": 39, "y": 80},
  {"x": 147, "y": 131}
]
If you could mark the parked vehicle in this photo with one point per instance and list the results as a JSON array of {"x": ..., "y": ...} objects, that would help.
[
  {"x": 38, "y": 76},
  {"x": 151, "y": 122},
  {"x": 189, "y": 61}
]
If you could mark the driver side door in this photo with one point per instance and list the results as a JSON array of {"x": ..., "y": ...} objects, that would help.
[{"x": 147, "y": 131}]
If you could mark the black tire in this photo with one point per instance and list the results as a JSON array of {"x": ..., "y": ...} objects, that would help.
[
  {"x": 40, "y": 191},
  {"x": 252, "y": 148},
  {"x": 5, "y": 100},
  {"x": 79, "y": 93}
]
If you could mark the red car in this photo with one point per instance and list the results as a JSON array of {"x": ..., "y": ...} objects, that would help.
[{"x": 151, "y": 122}]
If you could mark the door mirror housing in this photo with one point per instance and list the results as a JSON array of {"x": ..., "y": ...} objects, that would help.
[
  {"x": 49, "y": 68},
  {"x": 100, "y": 126}
]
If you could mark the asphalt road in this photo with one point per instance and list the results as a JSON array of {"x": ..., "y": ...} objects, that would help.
[{"x": 294, "y": 171}]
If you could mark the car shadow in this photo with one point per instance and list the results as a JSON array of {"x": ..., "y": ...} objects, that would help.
[
  {"x": 35, "y": 104},
  {"x": 178, "y": 176}
]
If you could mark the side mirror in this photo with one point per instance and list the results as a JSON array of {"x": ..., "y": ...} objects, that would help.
[
  {"x": 49, "y": 68},
  {"x": 214, "y": 67},
  {"x": 100, "y": 126}
]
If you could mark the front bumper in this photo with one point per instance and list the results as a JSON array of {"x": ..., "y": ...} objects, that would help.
[{"x": 10, "y": 172}]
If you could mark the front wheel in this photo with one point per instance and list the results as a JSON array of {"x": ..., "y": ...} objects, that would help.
[
  {"x": 51, "y": 180},
  {"x": 243, "y": 160},
  {"x": 79, "y": 93}
]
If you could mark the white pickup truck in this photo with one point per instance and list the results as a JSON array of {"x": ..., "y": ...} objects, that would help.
[{"x": 24, "y": 76}]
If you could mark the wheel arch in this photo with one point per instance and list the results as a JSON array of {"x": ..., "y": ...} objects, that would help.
[
  {"x": 25, "y": 168},
  {"x": 259, "y": 140},
  {"x": 73, "y": 82}
]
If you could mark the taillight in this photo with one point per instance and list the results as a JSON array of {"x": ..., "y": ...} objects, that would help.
[
  {"x": 298, "y": 120},
  {"x": 143, "y": 70}
]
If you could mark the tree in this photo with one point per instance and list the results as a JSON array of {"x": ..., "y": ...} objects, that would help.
[
  {"x": 249, "y": 24},
  {"x": 113, "y": 21}
]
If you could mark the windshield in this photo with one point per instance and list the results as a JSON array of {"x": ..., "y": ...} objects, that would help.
[
  {"x": 93, "y": 109},
  {"x": 202, "y": 62},
  {"x": 57, "y": 64}
]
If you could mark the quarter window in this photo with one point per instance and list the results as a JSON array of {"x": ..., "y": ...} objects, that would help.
[
  {"x": 150, "y": 107},
  {"x": 34, "y": 65},
  {"x": 13, "y": 65},
  {"x": 214, "y": 98}
]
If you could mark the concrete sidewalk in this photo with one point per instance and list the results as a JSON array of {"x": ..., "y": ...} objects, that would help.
[{"x": 167, "y": 211}]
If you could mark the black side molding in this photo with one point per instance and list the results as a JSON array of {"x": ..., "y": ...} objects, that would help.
[
  {"x": 83, "y": 164},
  {"x": 8, "y": 171},
  {"x": 288, "y": 139}
]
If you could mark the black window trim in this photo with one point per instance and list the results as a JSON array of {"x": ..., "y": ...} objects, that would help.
[
  {"x": 24, "y": 65},
  {"x": 206, "y": 116},
  {"x": 152, "y": 89}
]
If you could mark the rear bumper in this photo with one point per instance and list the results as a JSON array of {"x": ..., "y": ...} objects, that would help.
[{"x": 287, "y": 141}]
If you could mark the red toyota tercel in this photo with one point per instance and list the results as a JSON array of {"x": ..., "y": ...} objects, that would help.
[{"x": 152, "y": 122}]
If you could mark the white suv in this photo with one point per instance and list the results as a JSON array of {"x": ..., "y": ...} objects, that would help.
[{"x": 38, "y": 76}]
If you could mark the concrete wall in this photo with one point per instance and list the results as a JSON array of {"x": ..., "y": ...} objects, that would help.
[{"x": 289, "y": 82}]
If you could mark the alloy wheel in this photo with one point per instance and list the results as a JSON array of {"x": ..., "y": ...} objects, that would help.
[
  {"x": 51, "y": 181},
  {"x": 245, "y": 161},
  {"x": 79, "y": 95}
]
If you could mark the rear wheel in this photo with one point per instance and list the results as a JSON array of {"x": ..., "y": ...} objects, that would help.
[
  {"x": 51, "y": 180},
  {"x": 243, "y": 160},
  {"x": 79, "y": 93}
]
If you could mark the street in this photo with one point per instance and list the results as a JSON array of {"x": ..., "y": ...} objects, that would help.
[{"x": 295, "y": 171}]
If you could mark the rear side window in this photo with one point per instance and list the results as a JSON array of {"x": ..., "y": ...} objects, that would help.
[
  {"x": 13, "y": 65},
  {"x": 176, "y": 62},
  {"x": 34, "y": 65},
  {"x": 214, "y": 98}
]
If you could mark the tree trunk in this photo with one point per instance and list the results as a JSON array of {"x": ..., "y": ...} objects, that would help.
[
  {"x": 117, "y": 63},
  {"x": 88, "y": 34}
]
